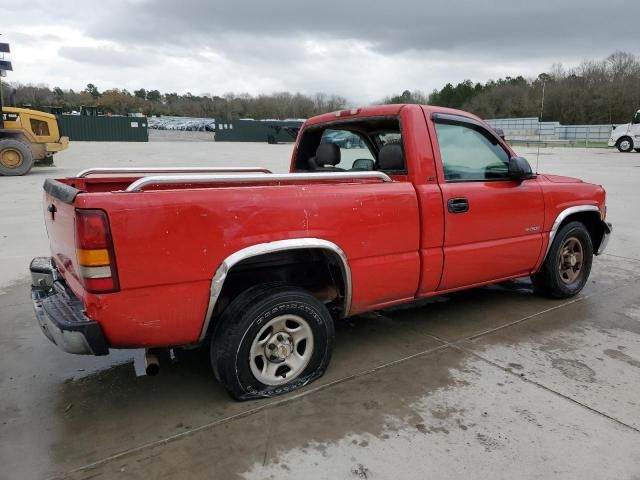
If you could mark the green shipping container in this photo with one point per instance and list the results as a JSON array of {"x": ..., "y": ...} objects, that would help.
[
  {"x": 81, "y": 128},
  {"x": 257, "y": 131}
]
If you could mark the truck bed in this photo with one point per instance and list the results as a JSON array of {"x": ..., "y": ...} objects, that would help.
[{"x": 170, "y": 238}]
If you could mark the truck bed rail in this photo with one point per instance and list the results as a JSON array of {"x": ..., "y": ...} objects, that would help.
[
  {"x": 126, "y": 170},
  {"x": 141, "y": 183}
]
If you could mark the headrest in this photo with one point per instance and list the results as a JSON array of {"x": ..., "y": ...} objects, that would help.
[
  {"x": 391, "y": 157},
  {"x": 363, "y": 164},
  {"x": 328, "y": 154}
]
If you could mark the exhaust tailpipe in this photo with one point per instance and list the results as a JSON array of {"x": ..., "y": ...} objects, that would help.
[{"x": 151, "y": 364}]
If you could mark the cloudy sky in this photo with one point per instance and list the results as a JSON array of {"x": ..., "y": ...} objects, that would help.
[{"x": 363, "y": 50}]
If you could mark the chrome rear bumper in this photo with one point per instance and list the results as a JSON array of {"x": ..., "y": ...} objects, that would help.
[{"x": 60, "y": 313}]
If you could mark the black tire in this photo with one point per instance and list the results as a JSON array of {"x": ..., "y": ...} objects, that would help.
[
  {"x": 10, "y": 150},
  {"x": 549, "y": 280},
  {"x": 624, "y": 144},
  {"x": 243, "y": 320}
]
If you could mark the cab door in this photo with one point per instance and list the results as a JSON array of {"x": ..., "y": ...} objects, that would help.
[{"x": 493, "y": 224}]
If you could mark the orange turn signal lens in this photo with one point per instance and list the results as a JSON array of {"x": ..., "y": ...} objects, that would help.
[{"x": 93, "y": 258}]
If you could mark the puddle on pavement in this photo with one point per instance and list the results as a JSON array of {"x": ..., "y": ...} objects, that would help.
[
  {"x": 404, "y": 429},
  {"x": 126, "y": 411},
  {"x": 588, "y": 351},
  {"x": 372, "y": 406}
]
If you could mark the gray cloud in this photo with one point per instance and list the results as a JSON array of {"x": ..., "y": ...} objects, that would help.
[
  {"x": 363, "y": 50},
  {"x": 538, "y": 28},
  {"x": 102, "y": 56}
]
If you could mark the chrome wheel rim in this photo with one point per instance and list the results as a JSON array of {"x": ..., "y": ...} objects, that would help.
[
  {"x": 281, "y": 350},
  {"x": 625, "y": 145},
  {"x": 571, "y": 260}
]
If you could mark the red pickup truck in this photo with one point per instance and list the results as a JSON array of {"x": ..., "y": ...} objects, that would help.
[{"x": 258, "y": 265}]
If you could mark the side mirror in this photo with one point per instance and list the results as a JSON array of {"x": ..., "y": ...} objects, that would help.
[
  {"x": 519, "y": 169},
  {"x": 500, "y": 133}
]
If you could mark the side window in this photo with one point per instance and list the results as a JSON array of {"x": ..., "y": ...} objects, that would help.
[
  {"x": 39, "y": 128},
  {"x": 354, "y": 153},
  {"x": 469, "y": 155}
]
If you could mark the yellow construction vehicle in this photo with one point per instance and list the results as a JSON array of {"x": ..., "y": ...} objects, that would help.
[{"x": 28, "y": 137}]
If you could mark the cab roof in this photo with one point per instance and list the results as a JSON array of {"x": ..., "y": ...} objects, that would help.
[{"x": 382, "y": 111}]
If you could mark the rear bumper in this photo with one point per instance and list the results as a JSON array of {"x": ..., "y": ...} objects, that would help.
[{"x": 60, "y": 313}]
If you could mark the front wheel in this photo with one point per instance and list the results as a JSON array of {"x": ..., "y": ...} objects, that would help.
[
  {"x": 566, "y": 269},
  {"x": 271, "y": 339},
  {"x": 625, "y": 144}
]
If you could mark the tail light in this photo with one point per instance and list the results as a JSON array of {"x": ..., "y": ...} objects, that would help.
[{"x": 94, "y": 249}]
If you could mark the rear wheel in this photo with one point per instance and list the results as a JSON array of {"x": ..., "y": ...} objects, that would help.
[
  {"x": 15, "y": 157},
  {"x": 566, "y": 269},
  {"x": 625, "y": 144},
  {"x": 271, "y": 339}
]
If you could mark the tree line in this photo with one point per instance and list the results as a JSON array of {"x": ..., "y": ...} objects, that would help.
[
  {"x": 594, "y": 92},
  {"x": 152, "y": 102}
]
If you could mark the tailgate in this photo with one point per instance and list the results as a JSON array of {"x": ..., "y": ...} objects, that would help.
[{"x": 59, "y": 219}]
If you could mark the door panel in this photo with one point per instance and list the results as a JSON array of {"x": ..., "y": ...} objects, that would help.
[
  {"x": 498, "y": 236},
  {"x": 492, "y": 224}
]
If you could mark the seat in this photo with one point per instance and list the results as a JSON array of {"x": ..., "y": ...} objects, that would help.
[
  {"x": 326, "y": 158},
  {"x": 391, "y": 157}
]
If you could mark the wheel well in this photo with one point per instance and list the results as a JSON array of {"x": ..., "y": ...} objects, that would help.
[
  {"x": 592, "y": 221},
  {"x": 624, "y": 137},
  {"x": 21, "y": 137},
  {"x": 317, "y": 270}
]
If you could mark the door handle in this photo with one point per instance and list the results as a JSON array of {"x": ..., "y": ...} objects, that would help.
[{"x": 458, "y": 205}]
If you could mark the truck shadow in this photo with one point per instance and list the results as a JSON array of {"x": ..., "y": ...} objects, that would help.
[{"x": 125, "y": 410}]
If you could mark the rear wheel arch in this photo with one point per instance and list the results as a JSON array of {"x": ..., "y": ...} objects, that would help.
[
  {"x": 284, "y": 261},
  {"x": 38, "y": 150},
  {"x": 18, "y": 135}
]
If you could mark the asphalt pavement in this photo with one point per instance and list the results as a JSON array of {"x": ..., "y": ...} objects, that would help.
[{"x": 494, "y": 382}]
